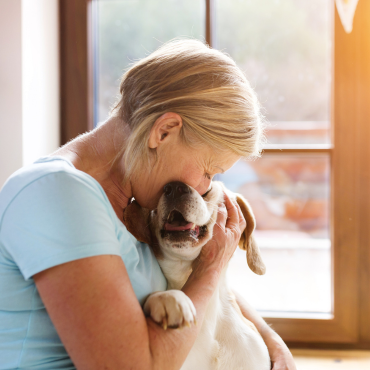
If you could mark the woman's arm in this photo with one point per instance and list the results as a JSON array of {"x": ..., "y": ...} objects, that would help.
[
  {"x": 280, "y": 355},
  {"x": 100, "y": 321}
]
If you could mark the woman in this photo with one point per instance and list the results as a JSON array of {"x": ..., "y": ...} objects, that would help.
[{"x": 72, "y": 277}]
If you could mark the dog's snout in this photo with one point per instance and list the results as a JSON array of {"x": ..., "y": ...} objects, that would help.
[{"x": 176, "y": 189}]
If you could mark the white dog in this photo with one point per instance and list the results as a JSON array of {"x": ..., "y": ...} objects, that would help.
[{"x": 178, "y": 229}]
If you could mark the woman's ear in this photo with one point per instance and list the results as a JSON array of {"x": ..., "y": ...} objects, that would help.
[
  {"x": 247, "y": 241},
  {"x": 166, "y": 126}
]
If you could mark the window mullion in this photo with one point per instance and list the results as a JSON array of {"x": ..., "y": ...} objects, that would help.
[{"x": 209, "y": 22}]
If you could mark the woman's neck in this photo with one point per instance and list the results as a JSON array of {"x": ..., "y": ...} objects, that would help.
[{"x": 99, "y": 153}]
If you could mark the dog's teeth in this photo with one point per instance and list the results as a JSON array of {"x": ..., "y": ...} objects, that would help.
[{"x": 193, "y": 227}]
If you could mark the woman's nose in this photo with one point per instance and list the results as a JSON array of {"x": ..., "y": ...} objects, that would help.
[{"x": 204, "y": 186}]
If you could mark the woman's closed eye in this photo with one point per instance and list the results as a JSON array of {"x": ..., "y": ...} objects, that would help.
[{"x": 206, "y": 193}]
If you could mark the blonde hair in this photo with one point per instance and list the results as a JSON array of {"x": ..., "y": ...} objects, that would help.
[{"x": 203, "y": 86}]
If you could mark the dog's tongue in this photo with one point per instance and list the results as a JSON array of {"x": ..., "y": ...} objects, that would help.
[{"x": 170, "y": 227}]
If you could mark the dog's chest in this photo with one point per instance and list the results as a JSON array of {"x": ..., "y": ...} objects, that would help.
[
  {"x": 206, "y": 349},
  {"x": 225, "y": 342}
]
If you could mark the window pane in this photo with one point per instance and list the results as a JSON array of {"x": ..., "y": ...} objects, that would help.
[
  {"x": 284, "y": 47},
  {"x": 290, "y": 199},
  {"x": 131, "y": 29}
]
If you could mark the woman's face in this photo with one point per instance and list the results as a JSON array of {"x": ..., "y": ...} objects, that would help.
[{"x": 179, "y": 162}]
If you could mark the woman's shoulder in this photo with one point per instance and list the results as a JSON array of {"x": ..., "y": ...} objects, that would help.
[
  {"x": 54, "y": 166},
  {"x": 51, "y": 213},
  {"x": 48, "y": 174}
]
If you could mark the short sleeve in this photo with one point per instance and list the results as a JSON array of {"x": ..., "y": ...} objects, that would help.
[{"x": 58, "y": 218}]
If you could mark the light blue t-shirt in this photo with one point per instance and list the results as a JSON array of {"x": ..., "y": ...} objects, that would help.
[{"x": 51, "y": 213}]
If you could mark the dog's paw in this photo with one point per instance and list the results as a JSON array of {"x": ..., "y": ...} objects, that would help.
[{"x": 171, "y": 308}]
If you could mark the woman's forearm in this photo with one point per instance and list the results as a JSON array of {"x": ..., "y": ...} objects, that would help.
[
  {"x": 281, "y": 358},
  {"x": 251, "y": 314},
  {"x": 101, "y": 323}
]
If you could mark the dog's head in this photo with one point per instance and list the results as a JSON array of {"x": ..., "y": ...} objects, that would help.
[{"x": 183, "y": 223}]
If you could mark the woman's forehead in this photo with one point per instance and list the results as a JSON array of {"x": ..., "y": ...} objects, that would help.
[{"x": 216, "y": 157}]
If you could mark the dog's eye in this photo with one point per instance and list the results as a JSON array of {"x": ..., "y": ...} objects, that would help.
[{"x": 206, "y": 193}]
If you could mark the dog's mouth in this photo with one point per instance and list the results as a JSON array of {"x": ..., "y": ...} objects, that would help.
[
  {"x": 176, "y": 222},
  {"x": 177, "y": 226}
]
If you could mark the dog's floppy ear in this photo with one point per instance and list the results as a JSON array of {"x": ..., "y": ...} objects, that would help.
[
  {"x": 247, "y": 241},
  {"x": 136, "y": 220}
]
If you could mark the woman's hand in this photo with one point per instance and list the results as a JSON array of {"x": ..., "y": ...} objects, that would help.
[{"x": 229, "y": 226}]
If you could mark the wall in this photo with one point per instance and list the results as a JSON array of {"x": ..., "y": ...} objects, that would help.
[
  {"x": 40, "y": 78},
  {"x": 29, "y": 82},
  {"x": 10, "y": 88}
]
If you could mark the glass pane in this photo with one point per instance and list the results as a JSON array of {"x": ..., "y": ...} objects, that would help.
[
  {"x": 290, "y": 199},
  {"x": 284, "y": 47},
  {"x": 131, "y": 29}
]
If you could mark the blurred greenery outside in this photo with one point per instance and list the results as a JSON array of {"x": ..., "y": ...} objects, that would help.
[{"x": 284, "y": 49}]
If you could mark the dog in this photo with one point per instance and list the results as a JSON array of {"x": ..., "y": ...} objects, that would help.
[{"x": 176, "y": 231}]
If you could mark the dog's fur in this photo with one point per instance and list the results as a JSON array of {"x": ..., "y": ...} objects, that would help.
[{"x": 226, "y": 339}]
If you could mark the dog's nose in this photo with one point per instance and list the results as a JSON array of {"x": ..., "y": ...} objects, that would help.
[{"x": 176, "y": 189}]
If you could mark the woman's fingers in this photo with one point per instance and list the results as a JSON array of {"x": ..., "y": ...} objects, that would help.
[
  {"x": 230, "y": 224},
  {"x": 242, "y": 222},
  {"x": 221, "y": 215},
  {"x": 232, "y": 211}
]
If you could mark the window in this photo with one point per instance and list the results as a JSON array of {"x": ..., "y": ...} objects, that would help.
[
  {"x": 129, "y": 30},
  {"x": 314, "y": 171},
  {"x": 285, "y": 50}
]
